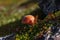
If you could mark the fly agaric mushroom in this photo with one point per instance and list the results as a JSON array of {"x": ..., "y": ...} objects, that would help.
[{"x": 29, "y": 19}]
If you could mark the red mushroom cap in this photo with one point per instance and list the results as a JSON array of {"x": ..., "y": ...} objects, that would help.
[{"x": 28, "y": 19}]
